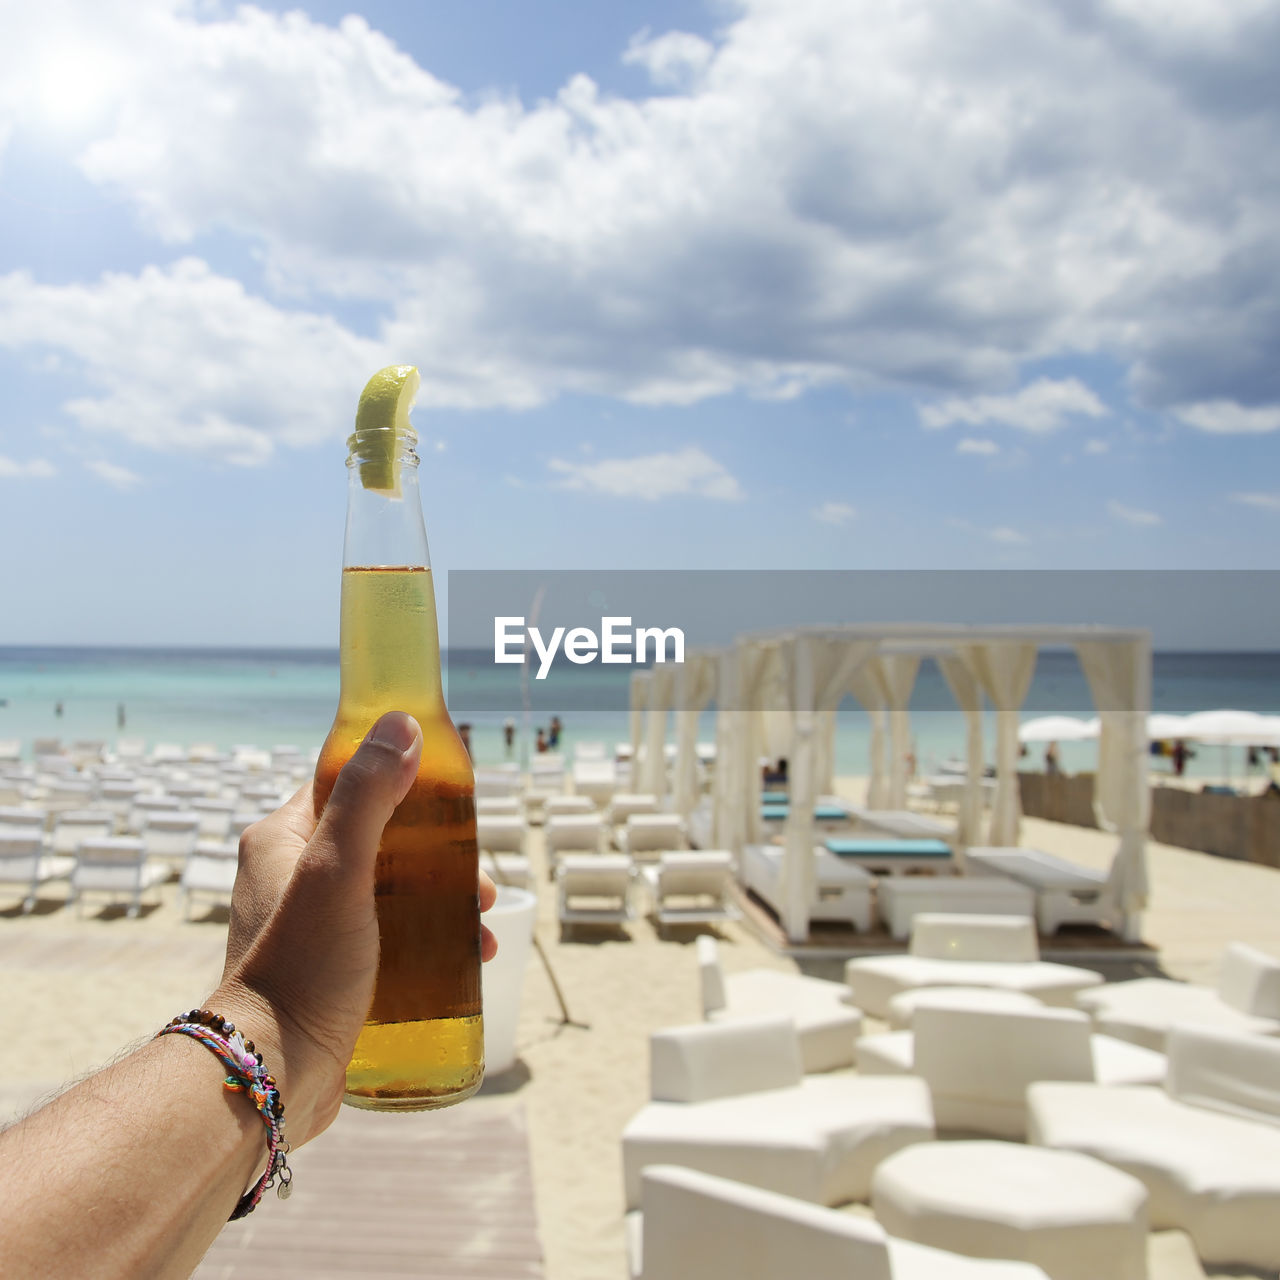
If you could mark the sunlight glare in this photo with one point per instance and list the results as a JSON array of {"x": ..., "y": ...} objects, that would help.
[{"x": 73, "y": 86}]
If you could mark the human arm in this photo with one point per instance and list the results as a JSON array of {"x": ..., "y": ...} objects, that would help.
[{"x": 133, "y": 1172}]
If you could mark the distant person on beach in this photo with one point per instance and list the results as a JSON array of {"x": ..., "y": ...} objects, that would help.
[
  {"x": 553, "y": 738},
  {"x": 119, "y": 715},
  {"x": 1051, "y": 758},
  {"x": 464, "y": 732},
  {"x": 509, "y": 735},
  {"x": 1179, "y": 758},
  {"x": 135, "y": 1170},
  {"x": 540, "y": 744},
  {"x": 57, "y": 710}
]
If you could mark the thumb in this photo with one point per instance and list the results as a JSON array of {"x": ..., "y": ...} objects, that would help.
[{"x": 376, "y": 778}]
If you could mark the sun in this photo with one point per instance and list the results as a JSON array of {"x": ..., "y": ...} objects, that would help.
[{"x": 73, "y": 85}]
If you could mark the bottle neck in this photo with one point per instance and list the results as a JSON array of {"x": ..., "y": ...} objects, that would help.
[
  {"x": 389, "y": 643},
  {"x": 385, "y": 528}
]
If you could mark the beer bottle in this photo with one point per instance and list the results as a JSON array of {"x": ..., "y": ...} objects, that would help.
[{"x": 422, "y": 1044}]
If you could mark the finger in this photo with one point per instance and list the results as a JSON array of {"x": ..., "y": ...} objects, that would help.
[
  {"x": 488, "y": 891},
  {"x": 488, "y": 944},
  {"x": 376, "y": 778}
]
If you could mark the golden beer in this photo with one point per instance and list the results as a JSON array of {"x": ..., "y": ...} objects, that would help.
[{"x": 422, "y": 1045}]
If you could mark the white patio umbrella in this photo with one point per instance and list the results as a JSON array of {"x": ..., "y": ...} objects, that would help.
[
  {"x": 1057, "y": 729},
  {"x": 1229, "y": 729},
  {"x": 1166, "y": 728},
  {"x": 1232, "y": 728}
]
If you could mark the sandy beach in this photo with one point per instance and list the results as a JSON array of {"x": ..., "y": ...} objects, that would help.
[{"x": 577, "y": 1084}]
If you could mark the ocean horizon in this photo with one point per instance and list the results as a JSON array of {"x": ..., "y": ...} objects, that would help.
[{"x": 267, "y": 696}]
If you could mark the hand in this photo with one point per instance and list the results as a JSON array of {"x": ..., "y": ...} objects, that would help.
[{"x": 302, "y": 949}]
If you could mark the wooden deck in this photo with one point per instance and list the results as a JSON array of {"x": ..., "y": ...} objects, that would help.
[{"x": 442, "y": 1196}]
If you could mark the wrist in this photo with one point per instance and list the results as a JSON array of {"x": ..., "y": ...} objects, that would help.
[{"x": 285, "y": 1051}]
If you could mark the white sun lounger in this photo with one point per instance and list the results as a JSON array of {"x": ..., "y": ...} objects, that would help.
[
  {"x": 841, "y": 891},
  {"x": 24, "y": 863},
  {"x": 594, "y": 888},
  {"x": 210, "y": 869},
  {"x": 117, "y": 866},
  {"x": 1065, "y": 892},
  {"x": 648, "y": 835},
  {"x": 692, "y": 887}
]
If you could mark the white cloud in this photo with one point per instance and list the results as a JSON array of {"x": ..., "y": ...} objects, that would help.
[
  {"x": 984, "y": 448},
  {"x": 689, "y": 472},
  {"x": 836, "y": 192},
  {"x": 1133, "y": 515},
  {"x": 35, "y": 469},
  {"x": 1226, "y": 417},
  {"x": 834, "y": 513},
  {"x": 181, "y": 359},
  {"x": 673, "y": 59},
  {"x": 1097, "y": 447},
  {"x": 1010, "y": 537},
  {"x": 1267, "y": 501},
  {"x": 116, "y": 476},
  {"x": 1041, "y": 407}
]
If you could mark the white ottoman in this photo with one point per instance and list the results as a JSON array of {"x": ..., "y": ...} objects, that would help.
[
  {"x": 1078, "y": 1219},
  {"x": 902, "y": 1008}
]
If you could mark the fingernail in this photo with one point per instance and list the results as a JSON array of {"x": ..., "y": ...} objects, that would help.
[{"x": 397, "y": 730}]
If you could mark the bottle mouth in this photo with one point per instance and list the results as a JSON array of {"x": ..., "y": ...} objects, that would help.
[{"x": 382, "y": 454}]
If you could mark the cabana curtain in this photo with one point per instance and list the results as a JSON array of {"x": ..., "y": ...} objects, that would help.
[
  {"x": 1004, "y": 669},
  {"x": 968, "y": 695},
  {"x": 1119, "y": 676},
  {"x": 695, "y": 687},
  {"x": 819, "y": 670}
]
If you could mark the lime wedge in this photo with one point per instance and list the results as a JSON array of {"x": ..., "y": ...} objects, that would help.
[{"x": 382, "y": 425}]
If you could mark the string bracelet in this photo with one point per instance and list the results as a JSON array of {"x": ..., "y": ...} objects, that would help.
[{"x": 247, "y": 1075}]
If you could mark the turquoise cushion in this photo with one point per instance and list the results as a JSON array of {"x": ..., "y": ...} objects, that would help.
[
  {"x": 888, "y": 848},
  {"x": 823, "y": 813},
  {"x": 774, "y": 797}
]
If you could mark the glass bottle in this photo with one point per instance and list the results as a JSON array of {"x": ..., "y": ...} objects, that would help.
[{"x": 422, "y": 1045}]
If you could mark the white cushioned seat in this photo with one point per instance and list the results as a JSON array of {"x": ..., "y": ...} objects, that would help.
[
  {"x": 902, "y": 1008},
  {"x": 978, "y": 1062},
  {"x": 1074, "y": 1216},
  {"x": 1207, "y": 1145},
  {"x": 958, "y": 950},
  {"x": 695, "y": 1224},
  {"x": 827, "y": 1025},
  {"x": 1246, "y": 999},
  {"x": 899, "y": 899},
  {"x": 731, "y": 1099}
]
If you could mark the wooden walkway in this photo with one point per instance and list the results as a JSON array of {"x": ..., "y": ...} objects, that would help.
[{"x": 442, "y": 1196}]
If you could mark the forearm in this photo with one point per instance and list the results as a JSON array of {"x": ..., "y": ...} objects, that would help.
[{"x": 130, "y": 1174}]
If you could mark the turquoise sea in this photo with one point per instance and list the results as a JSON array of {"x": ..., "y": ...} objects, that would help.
[{"x": 270, "y": 697}]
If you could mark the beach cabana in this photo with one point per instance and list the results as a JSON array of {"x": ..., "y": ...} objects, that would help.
[{"x": 806, "y": 672}]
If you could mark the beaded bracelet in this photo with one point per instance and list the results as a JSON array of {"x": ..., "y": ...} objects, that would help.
[{"x": 245, "y": 1074}]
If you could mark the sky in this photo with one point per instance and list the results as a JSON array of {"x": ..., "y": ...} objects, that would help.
[{"x": 713, "y": 284}]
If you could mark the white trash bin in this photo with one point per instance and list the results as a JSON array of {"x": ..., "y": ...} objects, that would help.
[{"x": 511, "y": 919}]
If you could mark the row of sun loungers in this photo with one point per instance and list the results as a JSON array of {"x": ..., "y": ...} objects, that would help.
[
  {"x": 122, "y": 827},
  {"x": 1078, "y": 1140}
]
